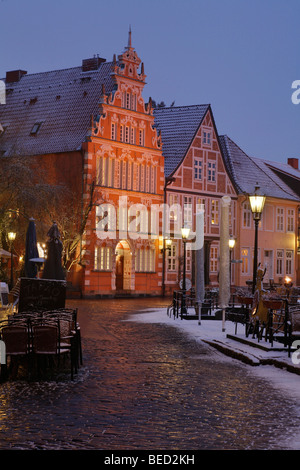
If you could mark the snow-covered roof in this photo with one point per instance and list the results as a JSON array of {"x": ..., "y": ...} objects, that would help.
[
  {"x": 178, "y": 126},
  {"x": 61, "y": 101},
  {"x": 246, "y": 171}
]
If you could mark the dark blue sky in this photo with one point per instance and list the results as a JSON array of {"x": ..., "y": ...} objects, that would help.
[{"x": 240, "y": 56}]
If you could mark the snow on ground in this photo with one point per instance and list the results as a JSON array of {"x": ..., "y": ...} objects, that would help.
[{"x": 212, "y": 331}]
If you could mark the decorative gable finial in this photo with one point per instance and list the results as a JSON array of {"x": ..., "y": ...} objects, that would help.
[{"x": 129, "y": 37}]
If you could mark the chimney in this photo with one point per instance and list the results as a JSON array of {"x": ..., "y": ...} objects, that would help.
[
  {"x": 92, "y": 64},
  {"x": 294, "y": 162},
  {"x": 14, "y": 76}
]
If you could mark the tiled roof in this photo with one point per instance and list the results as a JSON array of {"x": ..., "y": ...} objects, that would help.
[
  {"x": 246, "y": 171},
  {"x": 178, "y": 126},
  {"x": 63, "y": 100}
]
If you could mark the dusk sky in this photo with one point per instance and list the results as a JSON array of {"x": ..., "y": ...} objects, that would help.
[{"x": 240, "y": 56}]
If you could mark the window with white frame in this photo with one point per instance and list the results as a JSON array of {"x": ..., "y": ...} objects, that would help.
[
  {"x": 290, "y": 220},
  {"x": 214, "y": 259},
  {"x": 127, "y": 104},
  {"x": 142, "y": 178},
  {"x": 113, "y": 131},
  {"x": 245, "y": 257},
  {"x": 141, "y": 137},
  {"x": 133, "y": 101},
  {"x": 172, "y": 257},
  {"x": 188, "y": 212},
  {"x": 211, "y": 172},
  {"x": 189, "y": 257},
  {"x": 137, "y": 182},
  {"x": 200, "y": 201},
  {"x": 122, "y": 136},
  {"x": 279, "y": 262},
  {"x": 289, "y": 256},
  {"x": 214, "y": 212},
  {"x": 197, "y": 169},
  {"x": 153, "y": 179},
  {"x": 247, "y": 215},
  {"x": 145, "y": 260},
  {"x": 133, "y": 134},
  {"x": 103, "y": 258},
  {"x": 147, "y": 189},
  {"x": 206, "y": 137},
  {"x": 279, "y": 219},
  {"x": 173, "y": 202},
  {"x": 127, "y": 134}
]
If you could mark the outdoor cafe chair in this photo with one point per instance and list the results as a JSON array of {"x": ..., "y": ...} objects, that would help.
[
  {"x": 47, "y": 343},
  {"x": 17, "y": 345}
]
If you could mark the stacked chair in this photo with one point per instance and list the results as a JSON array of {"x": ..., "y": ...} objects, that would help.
[{"x": 42, "y": 339}]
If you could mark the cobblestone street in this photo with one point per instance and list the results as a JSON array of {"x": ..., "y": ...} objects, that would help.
[{"x": 145, "y": 386}]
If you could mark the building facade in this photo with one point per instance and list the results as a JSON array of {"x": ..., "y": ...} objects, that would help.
[
  {"x": 123, "y": 158},
  {"x": 197, "y": 175},
  {"x": 129, "y": 164}
]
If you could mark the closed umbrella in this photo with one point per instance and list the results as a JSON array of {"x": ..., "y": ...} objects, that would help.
[
  {"x": 224, "y": 280},
  {"x": 200, "y": 285},
  {"x": 31, "y": 251},
  {"x": 53, "y": 267}
]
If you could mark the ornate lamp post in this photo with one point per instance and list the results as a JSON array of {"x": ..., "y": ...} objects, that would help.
[
  {"x": 167, "y": 242},
  {"x": 257, "y": 202},
  {"x": 185, "y": 232},
  {"x": 231, "y": 243},
  {"x": 11, "y": 237}
]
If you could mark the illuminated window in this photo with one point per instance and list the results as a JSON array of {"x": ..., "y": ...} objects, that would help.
[
  {"x": 213, "y": 259},
  {"x": 145, "y": 260},
  {"x": 245, "y": 256},
  {"x": 214, "y": 212},
  {"x": 172, "y": 257},
  {"x": 289, "y": 254},
  {"x": 103, "y": 258}
]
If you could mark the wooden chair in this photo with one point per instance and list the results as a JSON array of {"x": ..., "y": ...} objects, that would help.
[
  {"x": 17, "y": 344},
  {"x": 47, "y": 343}
]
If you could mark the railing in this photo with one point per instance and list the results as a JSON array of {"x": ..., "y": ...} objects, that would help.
[{"x": 188, "y": 300}]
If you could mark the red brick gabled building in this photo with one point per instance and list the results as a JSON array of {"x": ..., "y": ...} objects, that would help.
[
  {"x": 122, "y": 156},
  {"x": 195, "y": 168},
  {"x": 89, "y": 126}
]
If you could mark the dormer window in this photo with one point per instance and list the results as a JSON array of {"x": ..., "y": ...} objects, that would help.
[{"x": 36, "y": 127}]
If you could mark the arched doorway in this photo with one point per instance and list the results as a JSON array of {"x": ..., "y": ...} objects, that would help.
[{"x": 123, "y": 265}]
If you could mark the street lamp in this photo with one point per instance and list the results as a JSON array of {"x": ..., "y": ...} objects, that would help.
[
  {"x": 11, "y": 237},
  {"x": 185, "y": 232},
  {"x": 167, "y": 242},
  {"x": 231, "y": 243},
  {"x": 257, "y": 202}
]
